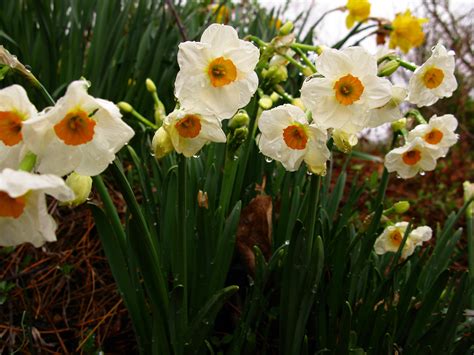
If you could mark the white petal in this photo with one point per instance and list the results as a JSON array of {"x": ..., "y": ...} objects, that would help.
[{"x": 333, "y": 63}]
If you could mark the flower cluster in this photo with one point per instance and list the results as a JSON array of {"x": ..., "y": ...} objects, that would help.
[
  {"x": 216, "y": 78},
  {"x": 80, "y": 136}
]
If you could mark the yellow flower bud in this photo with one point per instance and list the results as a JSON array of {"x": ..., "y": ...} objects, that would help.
[
  {"x": 161, "y": 143},
  {"x": 150, "y": 85},
  {"x": 401, "y": 207},
  {"x": 286, "y": 28},
  {"x": 275, "y": 97},
  {"x": 265, "y": 102},
  {"x": 399, "y": 124},
  {"x": 344, "y": 141},
  {"x": 81, "y": 186},
  {"x": 307, "y": 71},
  {"x": 125, "y": 106}
]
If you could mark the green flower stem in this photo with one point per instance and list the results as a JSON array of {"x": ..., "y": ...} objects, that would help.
[
  {"x": 306, "y": 47},
  {"x": 28, "y": 162},
  {"x": 417, "y": 115},
  {"x": 314, "y": 202},
  {"x": 355, "y": 30},
  {"x": 230, "y": 170},
  {"x": 43, "y": 91},
  {"x": 470, "y": 249},
  {"x": 306, "y": 59},
  {"x": 183, "y": 239},
  {"x": 293, "y": 61},
  {"x": 407, "y": 65},
  {"x": 281, "y": 91},
  {"x": 257, "y": 40},
  {"x": 384, "y": 180},
  {"x": 143, "y": 120}
]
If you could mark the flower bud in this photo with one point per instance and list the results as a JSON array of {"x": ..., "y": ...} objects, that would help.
[
  {"x": 240, "y": 119},
  {"x": 161, "y": 143},
  {"x": 388, "y": 67},
  {"x": 468, "y": 195},
  {"x": 275, "y": 73},
  {"x": 399, "y": 124},
  {"x": 401, "y": 207},
  {"x": 286, "y": 28},
  {"x": 344, "y": 141},
  {"x": 150, "y": 85},
  {"x": 160, "y": 113},
  {"x": 275, "y": 97},
  {"x": 125, "y": 106},
  {"x": 81, "y": 186},
  {"x": 317, "y": 169},
  {"x": 307, "y": 71},
  {"x": 265, "y": 102}
]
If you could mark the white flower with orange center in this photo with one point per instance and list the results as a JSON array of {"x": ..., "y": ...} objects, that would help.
[
  {"x": 412, "y": 158},
  {"x": 80, "y": 133},
  {"x": 15, "y": 109},
  {"x": 217, "y": 75},
  {"x": 391, "y": 239},
  {"x": 438, "y": 134},
  {"x": 390, "y": 112},
  {"x": 190, "y": 131},
  {"x": 24, "y": 214},
  {"x": 286, "y": 136},
  {"x": 349, "y": 88},
  {"x": 434, "y": 79}
]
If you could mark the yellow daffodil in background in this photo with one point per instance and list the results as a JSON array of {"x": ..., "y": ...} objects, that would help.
[
  {"x": 189, "y": 131},
  {"x": 410, "y": 159},
  {"x": 217, "y": 75},
  {"x": 359, "y": 10},
  {"x": 221, "y": 13},
  {"x": 80, "y": 133},
  {"x": 287, "y": 137},
  {"x": 349, "y": 89},
  {"x": 390, "y": 112},
  {"x": 434, "y": 79},
  {"x": 391, "y": 239},
  {"x": 24, "y": 215},
  {"x": 407, "y": 31},
  {"x": 15, "y": 109},
  {"x": 438, "y": 134}
]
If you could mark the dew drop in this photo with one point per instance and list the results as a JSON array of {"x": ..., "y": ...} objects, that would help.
[
  {"x": 399, "y": 177},
  {"x": 422, "y": 173},
  {"x": 196, "y": 156},
  {"x": 268, "y": 159},
  {"x": 309, "y": 173}
]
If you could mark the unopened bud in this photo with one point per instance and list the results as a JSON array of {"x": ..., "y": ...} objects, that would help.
[
  {"x": 401, "y": 207},
  {"x": 161, "y": 143},
  {"x": 125, "y": 106},
  {"x": 275, "y": 97},
  {"x": 399, "y": 124},
  {"x": 286, "y": 28},
  {"x": 299, "y": 103},
  {"x": 150, "y": 85},
  {"x": 240, "y": 119},
  {"x": 276, "y": 73},
  {"x": 344, "y": 141},
  {"x": 81, "y": 186},
  {"x": 160, "y": 113},
  {"x": 388, "y": 67},
  {"x": 469, "y": 195},
  {"x": 265, "y": 102}
]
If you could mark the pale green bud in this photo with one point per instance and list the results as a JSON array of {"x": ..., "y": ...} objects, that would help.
[
  {"x": 401, "y": 207},
  {"x": 81, "y": 186},
  {"x": 275, "y": 73},
  {"x": 388, "y": 67},
  {"x": 399, "y": 124},
  {"x": 299, "y": 103},
  {"x": 265, "y": 102},
  {"x": 275, "y": 97},
  {"x": 240, "y": 119},
  {"x": 307, "y": 71},
  {"x": 161, "y": 143},
  {"x": 286, "y": 29},
  {"x": 468, "y": 195},
  {"x": 125, "y": 106},
  {"x": 150, "y": 85}
]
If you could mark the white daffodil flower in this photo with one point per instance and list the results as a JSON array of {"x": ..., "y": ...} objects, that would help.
[
  {"x": 189, "y": 131},
  {"x": 24, "y": 215},
  {"x": 80, "y": 133},
  {"x": 287, "y": 137},
  {"x": 15, "y": 109},
  {"x": 434, "y": 79},
  {"x": 392, "y": 237},
  {"x": 412, "y": 158},
  {"x": 349, "y": 88},
  {"x": 438, "y": 134},
  {"x": 389, "y": 112},
  {"x": 217, "y": 74}
]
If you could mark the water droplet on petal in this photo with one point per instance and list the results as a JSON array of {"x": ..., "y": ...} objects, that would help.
[
  {"x": 196, "y": 156},
  {"x": 268, "y": 159},
  {"x": 309, "y": 173},
  {"x": 422, "y": 173},
  {"x": 399, "y": 177}
]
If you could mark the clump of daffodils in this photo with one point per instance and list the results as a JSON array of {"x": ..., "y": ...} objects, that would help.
[{"x": 79, "y": 136}]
